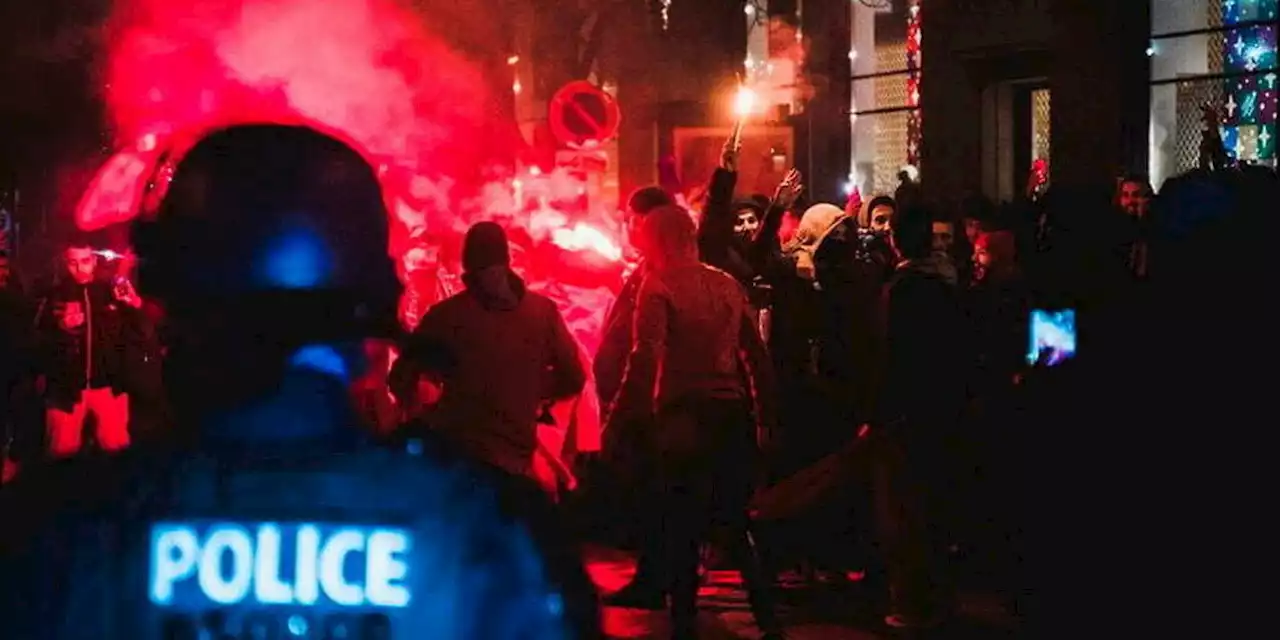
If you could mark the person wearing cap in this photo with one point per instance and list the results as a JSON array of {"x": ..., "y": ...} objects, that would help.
[{"x": 509, "y": 353}]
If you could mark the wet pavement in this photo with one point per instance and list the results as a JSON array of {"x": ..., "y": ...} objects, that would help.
[{"x": 809, "y": 612}]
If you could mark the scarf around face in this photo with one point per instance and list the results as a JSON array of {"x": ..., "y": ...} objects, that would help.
[
  {"x": 814, "y": 226},
  {"x": 496, "y": 287}
]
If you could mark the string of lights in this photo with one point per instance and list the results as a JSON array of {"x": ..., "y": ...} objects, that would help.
[
  {"x": 914, "y": 43},
  {"x": 754, "y": 9},
  {"x": 1249, "y": 110}
]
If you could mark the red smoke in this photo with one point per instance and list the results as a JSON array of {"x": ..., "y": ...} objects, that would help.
[
  {"x": 367, "y": 68},
  {"x": 372, "y": 72}
]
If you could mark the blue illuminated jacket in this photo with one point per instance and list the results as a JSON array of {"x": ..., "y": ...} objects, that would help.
[{"x": 155, "y": 544}]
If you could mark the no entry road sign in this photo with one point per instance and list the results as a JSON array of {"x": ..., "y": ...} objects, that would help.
[{"x": 580, "y": 113}]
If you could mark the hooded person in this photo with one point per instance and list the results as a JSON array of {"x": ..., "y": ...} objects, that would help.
[
  {"x": 921, "y": 401},
  {"x": 877, "y": 214},
  {"x": 614, "y": 341},
  {"x": 269, "y": 251},
  {"x": 817, "y": 221},
  {"x": 843, "y": 358},
  {"x": 509, "y": 352},
  {"x": 850, "y": 267},
  {"x": 734, "y": 235},
  {"x": 748, "y": 216}
]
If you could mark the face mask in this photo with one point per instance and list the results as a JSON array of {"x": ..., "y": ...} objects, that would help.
[{"x": 804, "y": 264}]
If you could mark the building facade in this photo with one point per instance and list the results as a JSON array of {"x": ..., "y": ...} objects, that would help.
[
  {"x": 970, "y": 93},
  {"x": 1097, "y": 89}
]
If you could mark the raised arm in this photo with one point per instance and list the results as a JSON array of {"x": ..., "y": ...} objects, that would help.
[
  {"x": 766, "y": 241},
  {"x": 715, "y": 232}
]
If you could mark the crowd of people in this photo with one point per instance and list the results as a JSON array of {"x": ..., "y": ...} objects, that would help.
[{"x": 885, "y": 342}]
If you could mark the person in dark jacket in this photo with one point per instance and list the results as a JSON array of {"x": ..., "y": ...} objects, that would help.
[
  {"x": 696, "y": 370},
  {"x": 511, "y": 355},
  {"x": 616, "y": 338},
  {"x": 626, "y": 462},
  {"x": 86, "y": 328},
  {"x": 716, "y": 233},
  {"x": 740, "y": 237},
  {"x": 920, "y": 404}
]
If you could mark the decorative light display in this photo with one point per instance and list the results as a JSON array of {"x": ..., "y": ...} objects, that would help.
[
  {"x": 1249, "y": 55},
  {"x": 914, "y": 41}
]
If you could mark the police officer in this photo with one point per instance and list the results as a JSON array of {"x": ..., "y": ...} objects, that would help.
[{"x": 271, "y": 516}]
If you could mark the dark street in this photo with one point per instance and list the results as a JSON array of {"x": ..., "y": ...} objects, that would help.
[
  {"x": 823, "y": 613},
  {"x": 574, "y": 319}
]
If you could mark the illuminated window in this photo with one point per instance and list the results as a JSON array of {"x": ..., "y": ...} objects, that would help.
[
  {"x": 1215, "y": 53},
  {"x": 885, "y": 56},
  {"x": 1040, "y": 110}
]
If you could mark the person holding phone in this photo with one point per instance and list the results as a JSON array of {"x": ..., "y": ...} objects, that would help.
[{"x": 85, "y": 327}]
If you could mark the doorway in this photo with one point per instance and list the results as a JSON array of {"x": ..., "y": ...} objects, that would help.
[{"x": 1015, "y": 133}]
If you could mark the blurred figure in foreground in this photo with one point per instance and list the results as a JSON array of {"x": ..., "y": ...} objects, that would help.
[
  {"x": 269, "y": 252},
  {"x": 697, "y": 378},
  {"x": 1167, "y": 380}
]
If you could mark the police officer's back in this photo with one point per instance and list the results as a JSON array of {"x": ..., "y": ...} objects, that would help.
[{"x": 271, "y": 516}]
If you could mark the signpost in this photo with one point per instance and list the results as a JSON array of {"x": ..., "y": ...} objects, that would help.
[
  {"x": 583, "y": 160},
  {"x": 581, "y": 113}
]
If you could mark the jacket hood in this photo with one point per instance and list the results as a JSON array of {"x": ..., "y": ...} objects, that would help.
[
  {"x": 752, "y": 203},
  {"x": 864, "y": 212},
  {"x": 496, "y": 287},
  {"x": 816, "y": 223}
]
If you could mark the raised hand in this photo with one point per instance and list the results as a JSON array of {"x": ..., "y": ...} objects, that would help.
[
  {"x": 124, "y": 292},
  {"x": 729, "y": 154},
  {"x": 789, "y": 189}
]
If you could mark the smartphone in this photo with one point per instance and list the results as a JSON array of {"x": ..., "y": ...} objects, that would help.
[
  {"x": 1053, "y": 337},
  {"x": 120, "y": 287}
]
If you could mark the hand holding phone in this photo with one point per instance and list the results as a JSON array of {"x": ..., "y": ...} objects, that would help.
[
  {"x": 1052, "y": 337},
  {"x": 71, "y": 316},
  {"x": 124, "y": 292}
]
